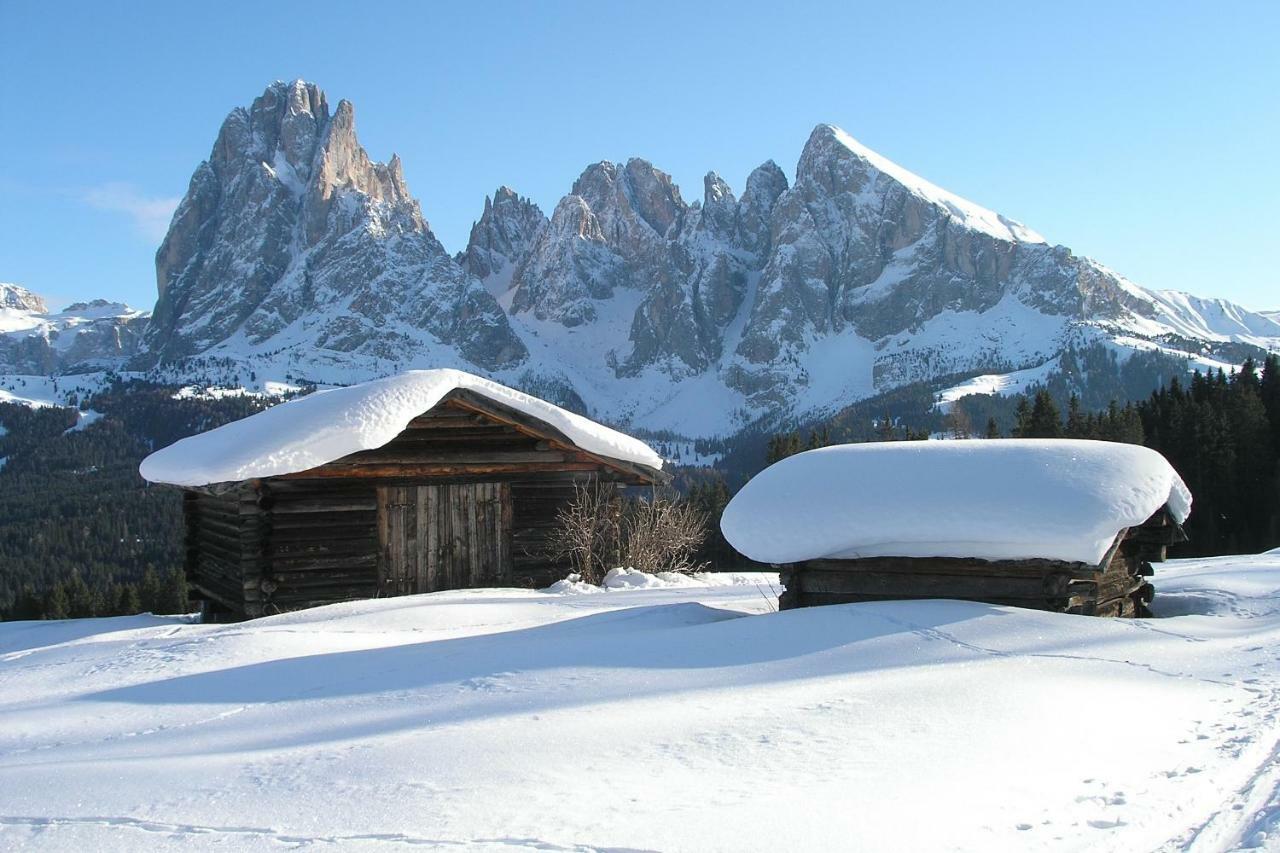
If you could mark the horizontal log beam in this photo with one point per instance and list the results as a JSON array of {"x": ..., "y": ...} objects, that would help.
[
  {"x": 391, "y": 472},
  {"x": 962, "y": 566}
]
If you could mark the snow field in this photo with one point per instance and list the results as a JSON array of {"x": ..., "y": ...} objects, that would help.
[{"x": 684, "y": 715}]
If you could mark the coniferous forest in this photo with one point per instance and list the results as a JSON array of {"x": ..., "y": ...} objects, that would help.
[
  {"x": 1220, "y": 431},
  {"x": 81, "y": 534}
]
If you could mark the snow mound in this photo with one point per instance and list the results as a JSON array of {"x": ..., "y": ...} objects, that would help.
[
  {"x": 994, "y": 500},
  {"x": 328, "y": 425},
  {"x": 622, "y": 578},
  {"x": 572, "y": 585}
]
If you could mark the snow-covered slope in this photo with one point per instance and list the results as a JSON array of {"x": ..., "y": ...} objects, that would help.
[
  {"x": 674, "y": 718},
  {"x": 83, "y": 336},
  {"x": 969, "y": 214}
]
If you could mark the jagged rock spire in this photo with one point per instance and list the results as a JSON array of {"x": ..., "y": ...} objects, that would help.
[{"x": 289, "y": 223}]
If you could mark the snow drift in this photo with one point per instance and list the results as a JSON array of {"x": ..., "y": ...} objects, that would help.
[
  {"x": 678, "y": 718},
  {"x": 994, "y": 500},
  {"x": 328, "y": 425}
]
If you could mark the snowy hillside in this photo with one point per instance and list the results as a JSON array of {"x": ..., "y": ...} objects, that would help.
[{"x": 684, "y": 716}]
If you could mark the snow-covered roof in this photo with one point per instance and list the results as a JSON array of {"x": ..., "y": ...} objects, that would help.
[
  {"x": 988, "y": 499},
  {"x": 328, "y": 425}
]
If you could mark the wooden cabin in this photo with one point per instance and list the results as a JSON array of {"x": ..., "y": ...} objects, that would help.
[
  {"x": 1118, "y": 586},
  {"x": 464, "y": 496},
  {"x": 1064, "y": 525}
]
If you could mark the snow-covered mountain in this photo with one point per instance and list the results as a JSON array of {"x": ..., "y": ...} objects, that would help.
[
  {"x": 294, "y": 255},
  {"x": 290, "y": 239},
  {"x": 83, "y": 336}
]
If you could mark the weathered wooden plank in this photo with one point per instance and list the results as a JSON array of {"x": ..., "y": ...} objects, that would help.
[
  {"x": 470, "y": 458},
  {"x": 353, "y": 561},
  {"x": 367, "y": 504},
  {"x": 474, "y": 566},
  {"x": 963, "y": 567},
  {"x": 320, "y": 547},
  {"x": 925, "y": 585},
  {"x": 505, "y": 567},
  {"x": 429, "y": 496},
  {"x": 385, "y": 584},
  {"x": 416, "y": 471},
  {"x": 322, "y": 520},
  {"x": 457, "y": 529}
]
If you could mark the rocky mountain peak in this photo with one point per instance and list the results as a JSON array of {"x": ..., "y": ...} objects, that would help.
[
  {"x": 503, "y": 237},
  {"x": 18, "y": 298},
  {"x": 715, "y": 190},
  {"x": 290, "y": 224},
  {"x": 628, "y": 196},
  {"x": 295, "y": 252}
]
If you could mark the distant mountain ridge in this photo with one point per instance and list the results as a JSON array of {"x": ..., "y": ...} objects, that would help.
[
  {"x": 293, "y": 254},
  {"x": 82, "y": 337}
]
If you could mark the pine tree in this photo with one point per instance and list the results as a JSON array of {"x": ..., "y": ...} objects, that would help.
[
  {"x": 1077, "y": 426},
  {"x": 56, "y": 605},
  {"x": 1022, "y": 419},
  {"x": 993, "y": 429},
  {"x": 80, "y": 598},
  {"x": 127, "y": 600},
  {"x": 1044, "y": 421},
  {"x": 150, "y": 591},
  {"x": 174, "y": 598}
]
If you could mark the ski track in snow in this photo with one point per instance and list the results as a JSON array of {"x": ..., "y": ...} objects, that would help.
[
  {"x": 679, "y": 716},
  {"x": 181, "y": 831}
]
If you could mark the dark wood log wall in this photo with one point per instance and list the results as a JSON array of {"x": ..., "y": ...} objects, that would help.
[
  {"x": 225, "y": 534},
  {"x": 1118, "y": 586},
  {"x": 321, "y": 545},
  {"x": 534, "y": 509}
]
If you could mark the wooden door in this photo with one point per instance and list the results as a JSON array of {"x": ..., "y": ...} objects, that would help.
[{"x": 450, "y": 536}]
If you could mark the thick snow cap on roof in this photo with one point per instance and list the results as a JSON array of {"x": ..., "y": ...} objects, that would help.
[
  {"x": 1002, "y": 499},
  {"x": 328, "y": 425}
]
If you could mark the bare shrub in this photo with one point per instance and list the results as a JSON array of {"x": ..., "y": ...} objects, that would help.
[
  {"x": 661, "y": 535},
  {"x": 588, "y": 530}
]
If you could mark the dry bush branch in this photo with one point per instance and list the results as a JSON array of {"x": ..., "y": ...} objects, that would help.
[
  {"x": 588, "y": 530},
  {"x": 661, "y": 535}
]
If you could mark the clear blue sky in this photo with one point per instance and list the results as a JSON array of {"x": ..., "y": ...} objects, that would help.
[{"x": 1142, "y": 134}]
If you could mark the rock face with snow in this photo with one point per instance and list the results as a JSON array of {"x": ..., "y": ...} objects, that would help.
[
  {"x": 83, "y": 336},
  {"x": 290, "y": 236},
  {"x": 17, "y": 298},
  {"x": 503, "y": 237},
  {"x": 293, "y": 254}
]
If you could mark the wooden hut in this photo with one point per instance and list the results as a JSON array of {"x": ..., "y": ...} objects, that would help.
[
  {"x": 1061, "y": 525},
  {"x": 463, "y": 494},
  {"x": 1119, "y": 585}
]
